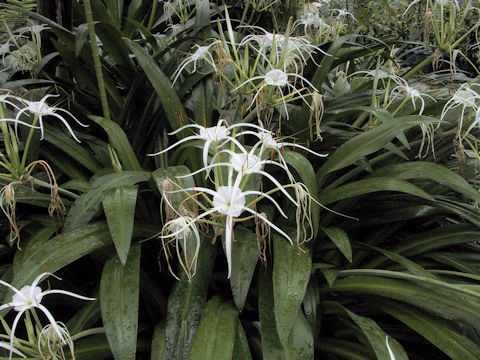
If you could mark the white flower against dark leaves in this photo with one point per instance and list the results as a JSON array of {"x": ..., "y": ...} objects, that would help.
[
  {"x": 466, "y": 98},
  {"x": 279, "y": 79},
  {"x": 42, "y": 109},
  {"x": 413, "y": 94},
  {"x": 230, "y": 201},
  {"x": 29, "y": 297},
  {"x": 216, "y": 135},
  {"x": 202, "y": 53}
]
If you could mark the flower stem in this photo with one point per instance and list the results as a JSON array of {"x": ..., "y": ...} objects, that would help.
[
  {"x": 29, "y": 140},
  {"x": 96, "y": 59}
]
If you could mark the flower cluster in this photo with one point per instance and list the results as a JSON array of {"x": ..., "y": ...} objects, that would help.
[{"x": 237, "y": 173}]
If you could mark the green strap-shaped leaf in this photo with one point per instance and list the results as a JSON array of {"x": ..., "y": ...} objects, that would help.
[
  {"x": 366, "y": 143},
  {"x": 445, "y": 301},
  {"x": 436, "y": 330},
  {"x": 216, "y": 333},
  {"x": 158, "y": 351},
  {"x": 72, "y": 148},
  {"x": 119, "y": 290},
  {"x": 272, "y": 348},
  {"x": 431, "y": 171},
  {"x": 119, "y": 205},
  {"x": 300, "y": 341},
  {"x": 119, "y": 142},
  {"x": 62, "y": 250},
  {"x": 303, "y": 167},
  {"x": 373, "y": 333},
  {"x": 345, "y": 349},
  {"x": 340, "y": 239},
  {"x": 366, "y": 186},
  {"x": 172, "y": 105},
  {"x": 241, "y": 351},
  {"x": 291, "y": 271},
  {"x": 88, "y": 204},
  {"x": 33, "y": 244},
  {"x": 92, "y": 347},
  {"x": 244, "y": 260},
  {"x": 185, "y": 305}
]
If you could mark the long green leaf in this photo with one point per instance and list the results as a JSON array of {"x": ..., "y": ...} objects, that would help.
[
  {"x": 272, "y": 348},
  {"x": 172, "y": 105},
  {"x": 454, "y": 344},
  {"x": 88, "y": 204},
  {"x": 291, "y": 271},
  {"x": 244, "y": 260},
  {"x": 431, "y": 171},
  {"x": 217, "y": 331},
  {"x": 158, "y": 351},
  {"x": 300, "y": 342},
  {"x": 185, "y": 305},
  {"x": 119, "y": 142},
  {"x": 119, "y": 291},
  {"x": 454, "y": 306},
  {"x": 366, "y": 143},
  {"x": 367, "y": 186},
  {"x": 373, "y": 333},
  {"x": 73, "y": 149},
  {"x": 119, "y": 205},
  {"x": 340, "y": 239},
  {"x": 62, "y": 250},
  {"x": 241, "y": 351}
]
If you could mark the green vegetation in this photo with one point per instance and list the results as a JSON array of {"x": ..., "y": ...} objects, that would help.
[{"x": 254, "y": 179}]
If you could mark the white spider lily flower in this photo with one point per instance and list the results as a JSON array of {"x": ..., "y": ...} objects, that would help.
[
  {"x": 247, "y": 163},
  {"x": 29, "y": 297},
  {"x": 342, "y": 13},
  {"x": 34, "y": 29},
  {"x": 182, "y": 229},
  {"x": 465, "y": 97},
  {"x": 279, "y": 79},
  {"x": 413, "y": 94},
  {"x": 314, "y": 21},
  {"x": 381, "y": 75},
  {"x": 269, "y": 142},
  {"x": 294, "y": 50},
  {"x": 230, "y": 202},
  {"x": 41, "y": 109},
  {"x": 216, "y": 135},
  {"x": 202, "y": 53}
]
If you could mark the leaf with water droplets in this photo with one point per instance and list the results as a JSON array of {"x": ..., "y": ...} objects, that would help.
[
  {"x": 119, "y": 291},
  {"x": 291, "y": 271}
]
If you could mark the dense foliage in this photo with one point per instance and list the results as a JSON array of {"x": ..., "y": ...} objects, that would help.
[{"x": 241, "y": 180}]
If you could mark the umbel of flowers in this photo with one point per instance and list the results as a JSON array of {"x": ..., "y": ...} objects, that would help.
[{"x": 235, "y": 172}]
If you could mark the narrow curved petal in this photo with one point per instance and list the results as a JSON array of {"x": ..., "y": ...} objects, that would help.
[
  {"x": 228, "y": 243},
  {"x": 64, "y": 292},
  {"x": 276, "y": 228},
  {"x": 12, "y": 333},
  {"x": 52, "y": 321},
  {"x": 10, "y": 348},
  {"x": 67, "y": 125},
  {"x": 253, "y": 192},
  {"x": 14, "y": 289},
  {"x": 181, "y": 141}
]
